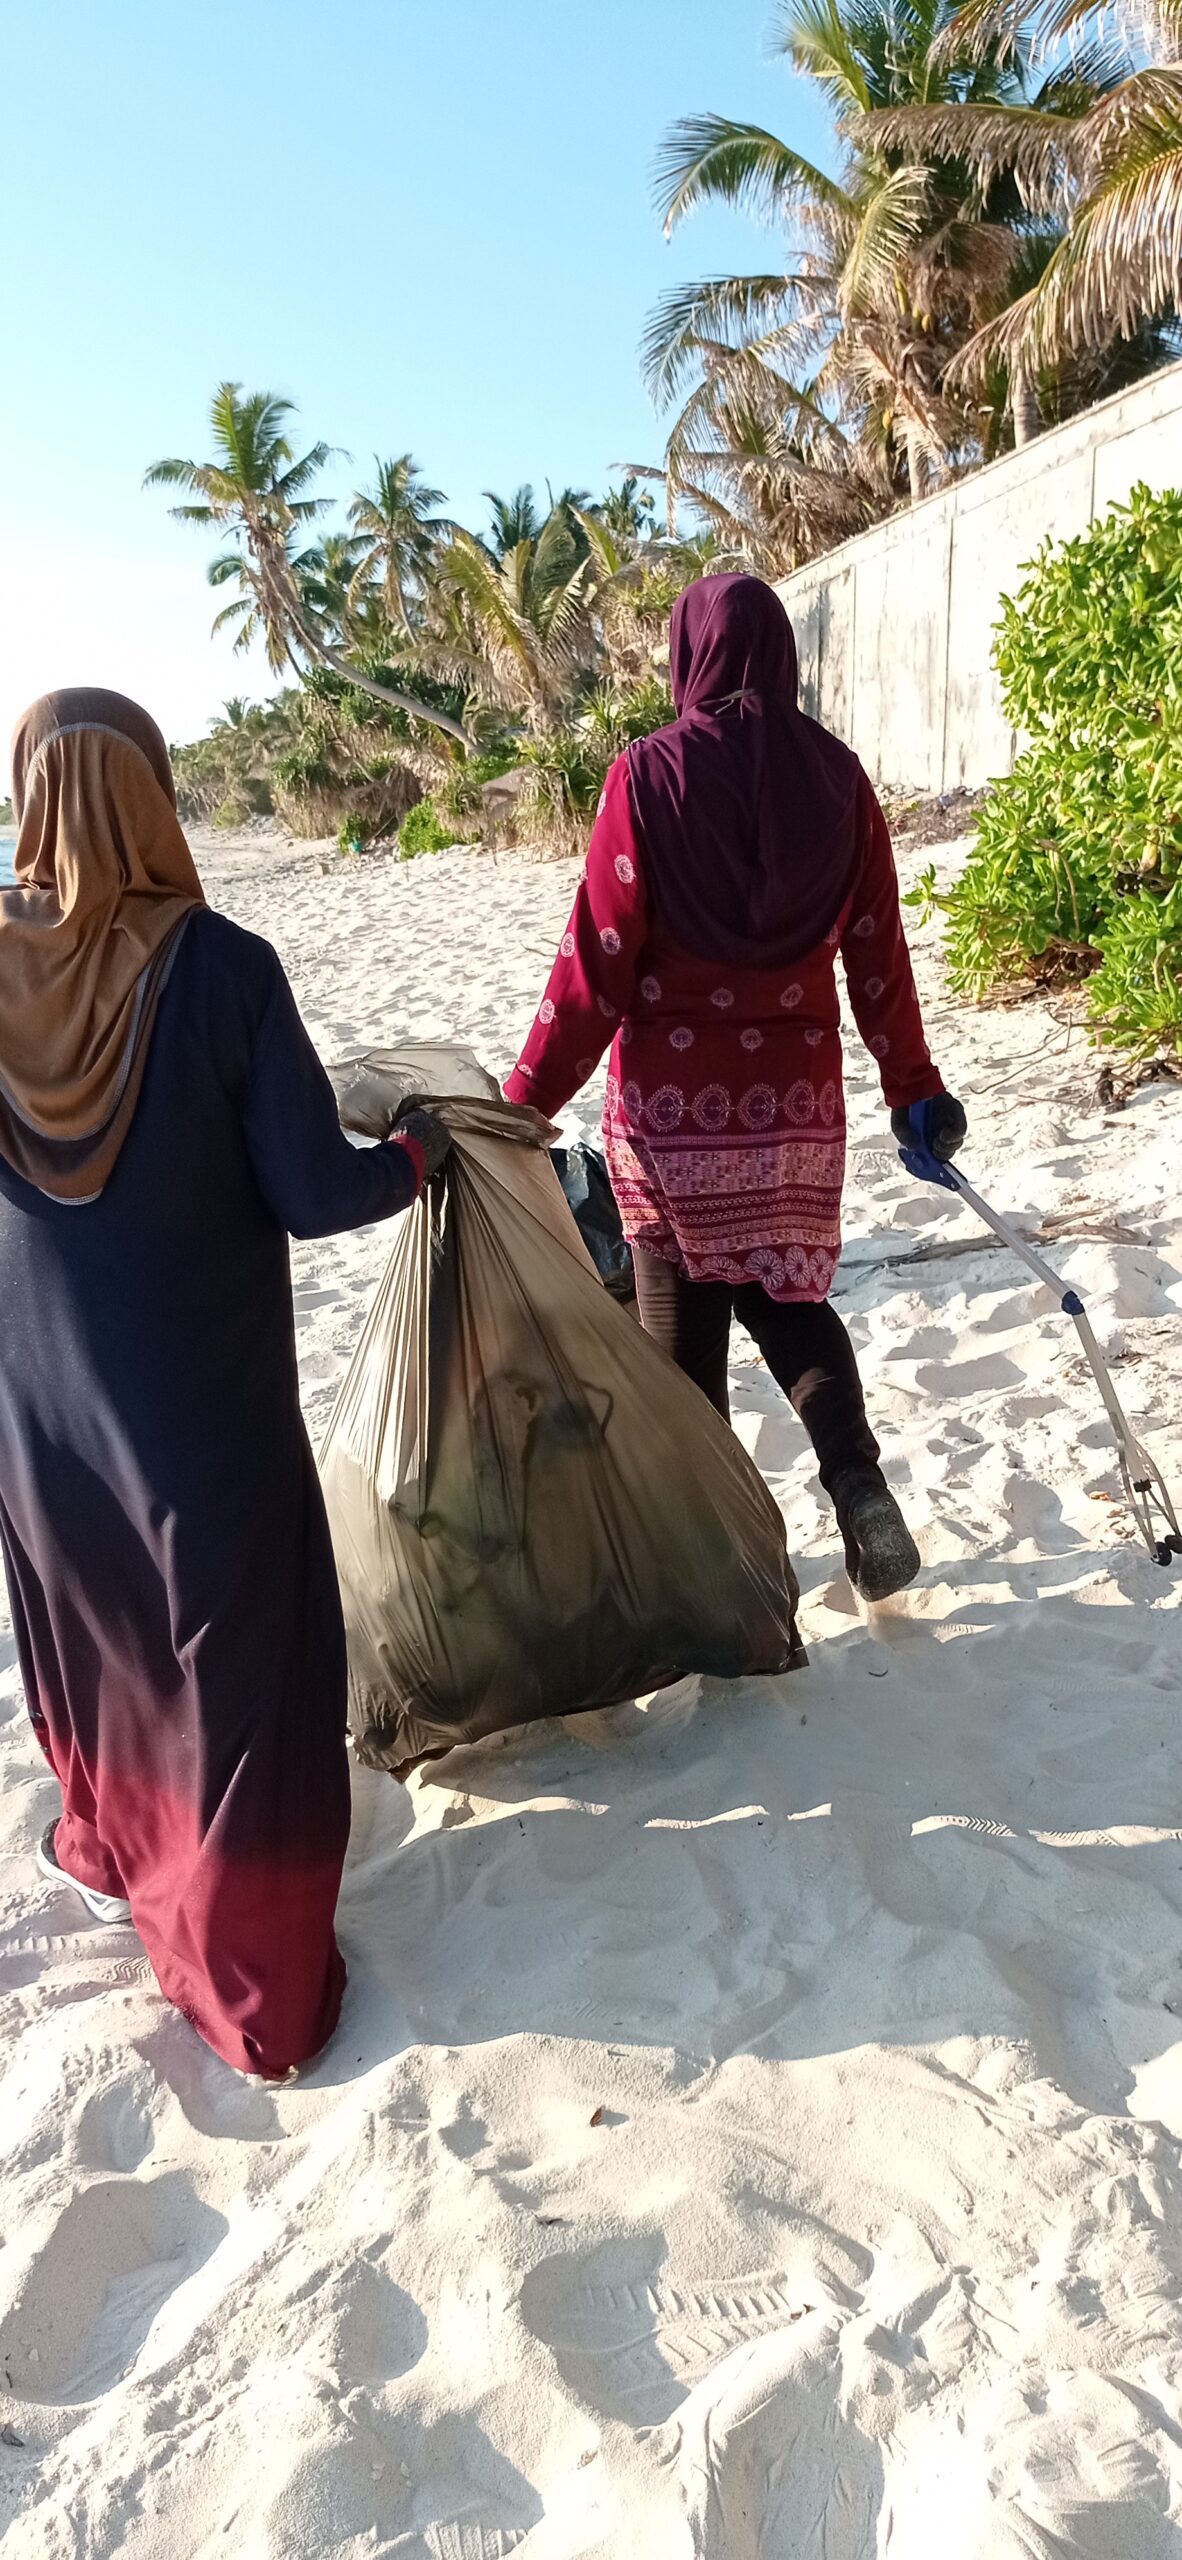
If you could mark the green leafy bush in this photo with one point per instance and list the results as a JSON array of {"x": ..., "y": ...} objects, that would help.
[
  {"x": 1137, "y": 990},
  {"x": 423, "y": 831},
  {"x": 1078, "y": 854}
]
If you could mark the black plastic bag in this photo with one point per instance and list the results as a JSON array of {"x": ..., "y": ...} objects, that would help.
[{"x": 587, "y": 1184}]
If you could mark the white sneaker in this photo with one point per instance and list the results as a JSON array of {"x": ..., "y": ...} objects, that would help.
[{"x": 103, "y": 1906}]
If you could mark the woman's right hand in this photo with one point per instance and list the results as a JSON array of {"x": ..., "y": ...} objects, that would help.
[{"x": 429, "y": 1135}]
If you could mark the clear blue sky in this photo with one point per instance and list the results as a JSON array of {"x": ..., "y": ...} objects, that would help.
[{"x": 431, "y": 225}]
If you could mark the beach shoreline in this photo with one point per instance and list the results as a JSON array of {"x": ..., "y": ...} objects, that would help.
[{"x": 749, "y": 2105}]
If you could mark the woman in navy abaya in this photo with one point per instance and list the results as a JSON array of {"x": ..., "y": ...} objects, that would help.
[{"x": 165, "y": 1126}]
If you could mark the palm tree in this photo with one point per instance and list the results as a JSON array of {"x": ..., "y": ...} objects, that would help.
[
  {"x": 514, "y": 520},
  {"x": 633, "y": 581},
  {"x": 834, "y": 365},
  {"x": 235, "y": 714},
  {"x": 327, "y": 576},
  {"x": 1096, "y": 160},
  {"x": 399, "y": 530},
  {"x": 256, "y": 490},
  {"x": 519, "y": 629},
  {"x": 628, "y": 513},
  {"x": 776, "y": 472}
]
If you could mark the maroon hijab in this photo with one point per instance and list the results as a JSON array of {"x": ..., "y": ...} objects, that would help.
[{"x": 749, "y": 811}]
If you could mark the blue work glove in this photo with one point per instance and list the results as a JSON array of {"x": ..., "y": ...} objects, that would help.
[{"x": 929, "y": 1133}]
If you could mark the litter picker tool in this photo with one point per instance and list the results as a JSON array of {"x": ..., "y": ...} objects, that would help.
[{"x": 1145, "y": 1489}]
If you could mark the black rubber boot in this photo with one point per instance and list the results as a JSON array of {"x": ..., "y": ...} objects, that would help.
[{"x": 881, "y": 1555}]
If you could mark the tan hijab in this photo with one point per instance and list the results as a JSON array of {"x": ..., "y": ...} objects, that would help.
[{"x": 105, "y": 883}]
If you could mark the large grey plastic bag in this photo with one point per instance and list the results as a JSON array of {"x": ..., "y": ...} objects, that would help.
[{"x": 533, "y": 1511}]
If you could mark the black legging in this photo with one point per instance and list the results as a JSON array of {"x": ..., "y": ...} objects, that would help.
[{"x": 806, "y": 1347}]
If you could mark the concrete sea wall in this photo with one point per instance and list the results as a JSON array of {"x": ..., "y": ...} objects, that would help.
[{"x": 895, "y": 628}]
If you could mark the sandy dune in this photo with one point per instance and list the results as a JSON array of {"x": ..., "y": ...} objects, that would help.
[{"x": 754, "y": 2133}]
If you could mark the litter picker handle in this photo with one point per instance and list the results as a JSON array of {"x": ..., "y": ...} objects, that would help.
[
  {"x": 1069, "y": 1299},
  {"x": 1145, "y": 1488}
]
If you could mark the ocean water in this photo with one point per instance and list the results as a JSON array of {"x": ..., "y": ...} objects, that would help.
[{"x": 7, "y": 849}]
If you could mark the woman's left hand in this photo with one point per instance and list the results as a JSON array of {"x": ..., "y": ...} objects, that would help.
[{"x": 946, "y": 1130}]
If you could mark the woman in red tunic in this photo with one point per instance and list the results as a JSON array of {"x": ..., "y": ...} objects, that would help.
[{"x": 734, "y": 855}]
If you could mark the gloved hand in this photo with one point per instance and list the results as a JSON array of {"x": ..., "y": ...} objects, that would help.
[
  {"x": 945, "y": 1130},
  {"x": 428, "y": 1133}
]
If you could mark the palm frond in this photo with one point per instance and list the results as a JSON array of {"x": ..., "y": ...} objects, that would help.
[
  {"x": 1121, "y": 259},
  {"x": 891, "y": 222},
  {"x": 984, "y": 28},
  {"x": 725, "y": 309},
  {"x": 171, "y": 473},
  {"x": 1098, "y": 60},
  {"x": 706, "y": 159},
  {"x": 820, "y": 39},
  {"x": 292, "y": 482},
  {"x": 232, "y": 612},
  {"x": 1029, "y": 144},
  {"x": 603, "y": 550},
  {"x": 1060, "y": 21}
]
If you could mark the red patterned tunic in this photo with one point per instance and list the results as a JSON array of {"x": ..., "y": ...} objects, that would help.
[{"x": 725, "y": 1118}]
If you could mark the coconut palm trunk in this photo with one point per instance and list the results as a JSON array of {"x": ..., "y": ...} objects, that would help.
[
  {"x": 315, "y": 647},
  {"x": 1024, "y": 406}
]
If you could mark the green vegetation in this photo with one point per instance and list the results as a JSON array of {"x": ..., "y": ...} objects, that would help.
[
  {"x": 1095, "y": 157},
  {"x": 1076, "y": 869},
  {"x": 423, "y": 659},
  {"x": 424, "y": 831},
  {"x": 999, "y": 245}
]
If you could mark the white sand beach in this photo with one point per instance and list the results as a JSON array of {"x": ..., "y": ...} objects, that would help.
[{"x": 755, "y": 2130}]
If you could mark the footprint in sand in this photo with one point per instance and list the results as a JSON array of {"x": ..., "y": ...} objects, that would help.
[
  {"x": 1015, "y": 1311},
  {"x": 114, "y": 2131},
  {"x": 770, "y": 2459},
  {"x": 23, "y": 1961},
  {"x": 969, "y": 1377},
  {"x": 308, "y": 1297},
  {"x": 87, "y": 2302},
  {"x": 628, "y": 2342},
  {"x": 216, "y": 2102},
  {"x": 378, "y": 2330},
  {"x": 1036, "y": 1512},
  {"x": 461, "y": 2541},
  {"x": 466, "y": 2137},
  {"x": 928, "y": 1342}
]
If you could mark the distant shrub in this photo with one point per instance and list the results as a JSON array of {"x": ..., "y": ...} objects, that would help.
[
  {"x": 235, "y": 810},
  {"x": 459, "y": 793},
  {"x": 424, "y": 831},
  {"x": 568, "y": 766},
  {"x": 1076, "y": 869}
]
